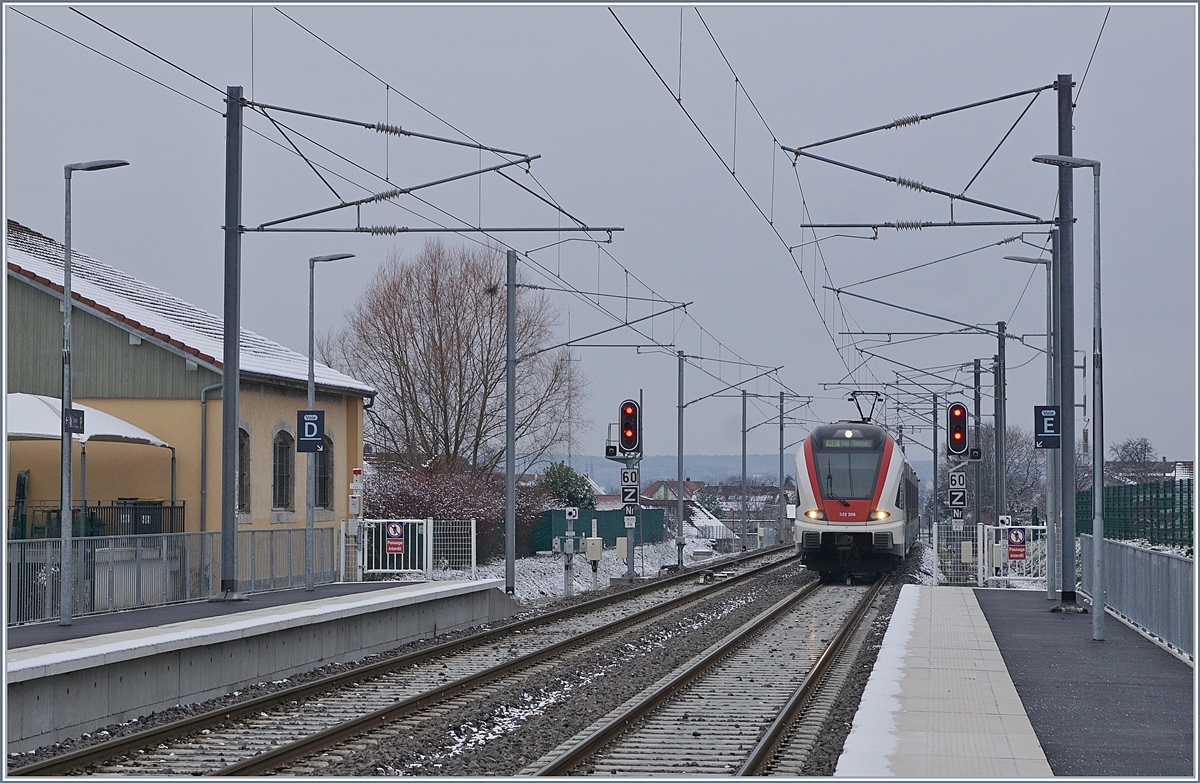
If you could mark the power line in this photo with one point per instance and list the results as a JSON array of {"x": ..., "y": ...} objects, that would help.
[
  {"x": 283, "y": 129},
  {"x": 130, "y": 41},
  {"x": 711, "y": 147}
]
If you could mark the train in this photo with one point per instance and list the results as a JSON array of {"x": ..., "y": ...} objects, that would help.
[{"x": 857, "y": 504}]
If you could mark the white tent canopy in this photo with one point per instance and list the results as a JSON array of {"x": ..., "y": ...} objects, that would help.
[{"x": 34, "y": 417}]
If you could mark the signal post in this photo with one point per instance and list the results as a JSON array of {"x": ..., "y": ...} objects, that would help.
[
  {"x": 956, "y": 449},
  {"x": 628, "y": 451}
]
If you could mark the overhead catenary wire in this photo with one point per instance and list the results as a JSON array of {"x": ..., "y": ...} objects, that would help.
[
  {"x": 317, "y": 167},
  {"x": 551, "y": 201},
  {"x": 754, "y": 202},
  {"x": 1004, "y": 241},
  {"x": 914, "y": 119}
]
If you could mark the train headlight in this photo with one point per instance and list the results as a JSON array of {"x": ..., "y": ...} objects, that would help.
[
  {"x": 879, "y": 515},
  {"x": 815, "y": 514}
]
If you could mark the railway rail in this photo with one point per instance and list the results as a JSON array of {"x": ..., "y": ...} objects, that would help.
[
  {"x": 707, "y": 717},
  {"x": 260, "y": 734}
]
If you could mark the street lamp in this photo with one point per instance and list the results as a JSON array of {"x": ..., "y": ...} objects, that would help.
[
  {"x": 65, "y": 516},
  {"x": 1098, "y": 591},
  {"x": 311, "y": 490},
  {"x": 1053, "y": 492}
]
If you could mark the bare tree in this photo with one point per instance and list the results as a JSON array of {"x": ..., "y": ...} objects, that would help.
[
  {"x": 1134, "y": 450},
  {"x": 429, "y": 335},
  {"x": 1025, "y": 476},
  {"x": 1134, "y": 461}
]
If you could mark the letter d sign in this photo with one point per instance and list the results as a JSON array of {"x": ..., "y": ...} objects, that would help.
[{"x": 310, "y": 425}]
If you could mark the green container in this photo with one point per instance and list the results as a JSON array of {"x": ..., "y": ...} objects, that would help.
[{"x": 610, "y": 525}]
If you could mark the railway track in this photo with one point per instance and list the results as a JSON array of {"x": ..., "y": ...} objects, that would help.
[
  {"x": 734, "y": 708},
  {"x": 261, "y": 734}
]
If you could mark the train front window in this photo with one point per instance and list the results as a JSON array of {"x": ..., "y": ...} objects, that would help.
[{"x": 849, "y": 475}]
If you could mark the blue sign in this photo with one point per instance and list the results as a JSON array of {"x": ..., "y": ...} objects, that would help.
[
  {"x": 1047, "y": 427},
  {"x": 310, "y": 431}
]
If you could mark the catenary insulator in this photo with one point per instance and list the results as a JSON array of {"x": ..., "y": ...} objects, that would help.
[
  {"x": 908, "y": 225},
  {"x": 905, "y": 182},
  {"x": 911, "y": 119},
  {"x": 379, "y": 231},
  {"x": 383, "y": 127},
  {"x": 386, "y": 194}
]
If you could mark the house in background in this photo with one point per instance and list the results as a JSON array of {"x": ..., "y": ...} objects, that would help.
[{"x": 154, "y": 360}]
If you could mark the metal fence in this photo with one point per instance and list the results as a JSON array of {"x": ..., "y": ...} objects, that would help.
[
  {"x": 129, "y": 517},
  {"x": 112, "y": 573},
  {"x": 426, "y": 548},
  {"x": 1159, "y": 512},
  {"x": 1008, "y": 561},
  {"x": 1152, "y": 589},
  {"x": 954, "y": 543}
]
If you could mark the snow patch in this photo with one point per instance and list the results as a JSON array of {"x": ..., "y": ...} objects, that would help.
[{"x": 872, "y": 740}]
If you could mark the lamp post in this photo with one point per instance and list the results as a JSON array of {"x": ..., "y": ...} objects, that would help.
[
  {"x": 311, "y": 489},
  {"x": 66, "y": 517},
  {"x": 1098, "y": 591},
  {"x": 1052, "y": 491}
]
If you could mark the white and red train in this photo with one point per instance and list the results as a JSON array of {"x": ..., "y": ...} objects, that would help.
[{"x": 857, "y": 501}]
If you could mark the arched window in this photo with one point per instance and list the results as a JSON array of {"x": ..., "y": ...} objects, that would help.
[
  {"x": 324, "y": 488},
  {"x": 243, "y": 482},
  {"x": 283, "y": 471}
]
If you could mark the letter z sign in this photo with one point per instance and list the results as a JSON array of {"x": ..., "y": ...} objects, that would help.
[{"x": 310, "y": 429}]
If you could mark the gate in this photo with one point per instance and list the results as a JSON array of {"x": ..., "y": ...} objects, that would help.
[
  {"x": 419, "y": 547},
  {"x": 1012, "y": 556},
  {"x": 395, "y": 546}
]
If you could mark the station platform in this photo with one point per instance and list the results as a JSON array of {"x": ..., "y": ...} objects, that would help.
[
  {"x": 62, "y": 681},
  {"x": 990, "y": 683}
]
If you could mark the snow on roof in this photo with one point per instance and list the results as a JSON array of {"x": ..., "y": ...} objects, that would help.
[
  {"x": 36, "y": 417},
  {"x": 144, "y": 309}
]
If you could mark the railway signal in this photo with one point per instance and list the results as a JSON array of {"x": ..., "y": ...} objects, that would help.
[
  {"x": 630, "y": 422},
  {"x": 956, "y": 427}
]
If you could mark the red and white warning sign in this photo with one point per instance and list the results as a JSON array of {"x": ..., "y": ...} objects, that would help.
[
  {"x": 394, "y": 542},
  {"x": 1016, "y": 543}
]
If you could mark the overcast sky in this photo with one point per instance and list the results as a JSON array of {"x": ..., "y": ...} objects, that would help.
[{"x": 569, "y": 84}]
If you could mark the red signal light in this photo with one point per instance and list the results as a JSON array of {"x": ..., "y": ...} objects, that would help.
[
  {"x": 956, "y": 426},
  {"x": 631, "y": 427}
]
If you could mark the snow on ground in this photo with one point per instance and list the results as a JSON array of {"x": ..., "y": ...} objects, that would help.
[{"x": 540, "y": 577}]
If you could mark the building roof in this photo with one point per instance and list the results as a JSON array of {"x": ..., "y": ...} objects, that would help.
[
  {"x": 142, "y": 309},
  {"x": 667, "y": 489}
]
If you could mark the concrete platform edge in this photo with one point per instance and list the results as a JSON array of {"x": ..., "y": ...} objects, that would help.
[
  {"x": 46, "y": 709},
  {"x": 46, "y": 660}
]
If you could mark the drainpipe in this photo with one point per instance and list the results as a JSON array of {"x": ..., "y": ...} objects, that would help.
[
  {"x": 203, "y": 457},
  {"x": 172, "y": 448}
]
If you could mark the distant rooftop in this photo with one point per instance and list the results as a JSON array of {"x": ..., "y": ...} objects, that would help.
[{"x": 147, "y": 310}]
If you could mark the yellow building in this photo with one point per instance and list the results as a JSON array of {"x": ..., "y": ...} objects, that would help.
[{"x": 154, "y": 360}]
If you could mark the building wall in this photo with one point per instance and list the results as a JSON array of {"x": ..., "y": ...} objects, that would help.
[
  {"x": 129, "y": 470},
  {"x": 152, "y": 388},
  {"x": 104, "y": 362}
]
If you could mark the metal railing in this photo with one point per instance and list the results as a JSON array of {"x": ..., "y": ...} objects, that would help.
[
  {"x": 1005, "y": 562},
  {"x": 406, "y": 547},
  {"x": 43, "y": 519},
  {"x": 113, "y": 573},
  {"x": 1159, "y": 512},
  {"x": 1151, "y": 589}
]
